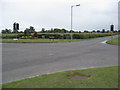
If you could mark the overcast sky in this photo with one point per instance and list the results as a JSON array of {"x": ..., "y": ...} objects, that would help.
[{"x": 91, "y": 15}]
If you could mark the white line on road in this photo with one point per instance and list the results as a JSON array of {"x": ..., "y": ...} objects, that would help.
[{"x": 104, "y": 42}]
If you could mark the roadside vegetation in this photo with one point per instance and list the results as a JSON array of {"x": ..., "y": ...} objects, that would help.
[
  {"x": 38, "y": 40},
  {"x": 55, "y": 35},
  {"x": 105, "y": 77},
  {"x": 0, "y": 86},
  {"x": 52, "y": 35},
  {"x": 114, "y": 41}
]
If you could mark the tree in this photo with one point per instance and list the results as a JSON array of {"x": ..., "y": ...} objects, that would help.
[
  {"x": 26, "y": 32},
  {"x": 21, "y": 32},
  {"x": 64, "y": 31},
  {"x": 51, "y": 30},
  {"x": 43, "y": 30},
  {"x": 85, "y": 31},
  {"x": 103, "y": 30},
  {"x": 98, "y": 31},
  {"x": 6, "y": 31},
  {"x": 94, "y": 31},
  {"x": 56, "y": 30},
  {"x": 71, "y": 31},
  {"x": 115, "y": 31},
  {"x": 31, "y": 30},
  {"x": 3, "y": 31}
]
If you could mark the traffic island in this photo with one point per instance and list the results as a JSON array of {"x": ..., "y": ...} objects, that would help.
[{"x": 114, "y": 41}]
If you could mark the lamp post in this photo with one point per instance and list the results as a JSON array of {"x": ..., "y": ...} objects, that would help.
[{"x": 72, "y": 18}]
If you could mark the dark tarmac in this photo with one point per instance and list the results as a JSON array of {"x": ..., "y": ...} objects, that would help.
[{"x": 23, "y": 60}]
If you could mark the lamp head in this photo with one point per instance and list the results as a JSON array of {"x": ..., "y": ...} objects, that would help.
[{"x": 78, "y": 5}]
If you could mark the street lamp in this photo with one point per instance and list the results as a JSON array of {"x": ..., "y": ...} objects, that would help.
[{"x": 72, "y": 18}]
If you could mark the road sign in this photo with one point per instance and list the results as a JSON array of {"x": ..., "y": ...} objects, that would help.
[{"x": 16, "y": 26}]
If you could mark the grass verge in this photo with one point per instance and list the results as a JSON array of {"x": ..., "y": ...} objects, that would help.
[
  {"x": 114, "y": 41},
  {"x": 0, "y": 87},
  {"x": 105, "y": 77},
  {"x": 38, "y": 40},
  {"x": 43, "y": 40}
]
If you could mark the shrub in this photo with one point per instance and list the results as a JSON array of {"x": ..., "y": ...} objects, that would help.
[{"x": 27, "y": 37}]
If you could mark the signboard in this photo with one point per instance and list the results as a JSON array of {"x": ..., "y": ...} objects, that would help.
[
  {"x": 111, "y": 27},
  {"x": 16, "y": 26}
]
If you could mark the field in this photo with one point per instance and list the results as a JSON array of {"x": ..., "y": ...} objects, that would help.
[{"x": 105, "y": 77}]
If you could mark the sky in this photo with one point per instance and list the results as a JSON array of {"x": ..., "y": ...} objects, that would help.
[
  {"x": 119, "y": 15},
  {"x": 90, "y": 15}
]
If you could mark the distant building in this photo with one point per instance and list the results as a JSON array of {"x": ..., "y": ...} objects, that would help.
[{"x": 112, "y": 28}]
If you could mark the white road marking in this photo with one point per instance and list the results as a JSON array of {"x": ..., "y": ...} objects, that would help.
[{"x": 104, "y": 42}]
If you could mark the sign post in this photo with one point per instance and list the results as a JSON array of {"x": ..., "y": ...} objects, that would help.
[
  {"x": 111, "y": 31},
  {"x": 111, "y": 35},
  {"x": 15, "y": 28}
]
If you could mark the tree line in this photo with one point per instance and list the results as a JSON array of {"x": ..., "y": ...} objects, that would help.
[{"x": 31, "y": 29}]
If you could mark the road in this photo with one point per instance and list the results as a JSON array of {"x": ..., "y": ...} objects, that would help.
[{"x": 23, "y": 60}]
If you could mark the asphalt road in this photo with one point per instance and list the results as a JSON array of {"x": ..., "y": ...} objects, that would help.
[{"x": 23, "y": 60}]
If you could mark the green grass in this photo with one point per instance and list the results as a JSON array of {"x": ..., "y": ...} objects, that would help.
[
  {"x": 7, "y": 38},
  {"x": 0, "y": 86},
  {"x": 58, "y": 35},
  {"x": 106, "y": 77},
  {"x": 38, "y": 40},
  {"x": 42, "y": 40},
  {"x": 114, "y": 41}
]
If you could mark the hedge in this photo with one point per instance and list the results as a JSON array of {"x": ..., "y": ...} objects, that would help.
[{"x": 57, "y": 35}]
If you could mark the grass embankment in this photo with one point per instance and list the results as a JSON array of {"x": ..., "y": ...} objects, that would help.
[
  {"x": 114, "y": 41},
  {"x": 106, "y": 77},
  {"x": 37, "y": 40}
]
